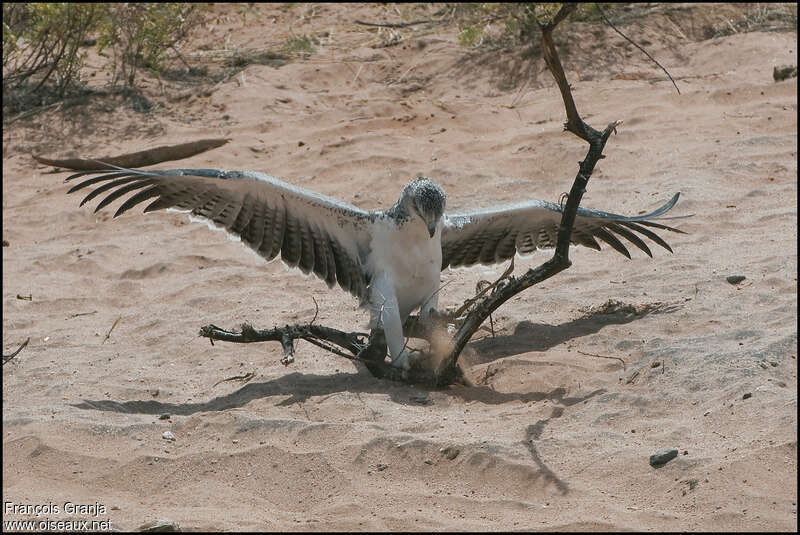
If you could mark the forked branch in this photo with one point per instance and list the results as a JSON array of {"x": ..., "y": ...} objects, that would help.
[{"x": 560, "y": 260}]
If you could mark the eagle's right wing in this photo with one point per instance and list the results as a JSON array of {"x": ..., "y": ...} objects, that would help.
[
  {"x": 310, "y": 231},
  {"x": 492, "y": 236}
]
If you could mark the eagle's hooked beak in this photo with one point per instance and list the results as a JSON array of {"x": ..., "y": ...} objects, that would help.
[{"x": 431, "y": 227}]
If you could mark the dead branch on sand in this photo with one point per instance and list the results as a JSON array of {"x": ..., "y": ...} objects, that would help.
[
  {"x": 108, "y": 334},
  {"x": 371, "y": 350},
  {"x": 6, "y": 358},
  {"x": 136, "y": 159},
  {"x": 395, "y": 24}
]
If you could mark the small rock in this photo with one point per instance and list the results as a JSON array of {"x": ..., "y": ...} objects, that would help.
[
  {"x": 655, "y": 364},
  {"x": 422, "y": 399},
  {"x": 154, "y": 393},
  {"x": 783, "y": 72},
  {"x": 450, "y": 452},
  {"x": 5, "y": 243},
  {"x": 159, "y": 526},
  {"x": 164, "y": 417},
  {"x": 735, "y": 279},
  {"x": 382, "y": 467},
  {"x": 428, "y": 461},
  {"x": 663, "y": 456},
  {"x": 300, "y": 143},
  {"x": 747, "y": 395},
  {"x": 706, "y": 413},
  {"x": 167, "y": 435}
]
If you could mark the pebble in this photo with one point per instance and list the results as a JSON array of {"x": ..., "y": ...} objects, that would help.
[
  {"x": 663, "y": 456},
  {"x": 783, "y": 72},
  {"x": 747, "y": 395},
  {"x": 164, "y": 417},
  {"x": 160, "y": 525},
  {"x": 167, "y": 435},
  {"x": 422, "y": 399},
  {"x": 382, "y": 467},
  {"x": 450, "y": 452},
  {"x": 735, "y": 279}
]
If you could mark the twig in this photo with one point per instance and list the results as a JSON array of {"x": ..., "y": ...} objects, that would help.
[
  {"x": 28, "y": 297},
  {"x": 676, "y": 28},
  {"x": 395, "y": 24},
  {"x": 602, "y": 14},
  {"x": 469, "y": 302},
  {"x": 603, "y": 357},
  {"x": 244, "y": 378},
  {"x": 6, "y": 358},
  {"x": 34, "y": 111},
  {"x": 359, "y": 72},
  {"x": 82, "y": 314},
  {"x": 108, "y": 334},
  {"x": 316, "y": 311}
]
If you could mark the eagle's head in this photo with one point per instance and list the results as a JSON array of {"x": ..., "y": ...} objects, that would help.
[{"x": 428, "y": 201}]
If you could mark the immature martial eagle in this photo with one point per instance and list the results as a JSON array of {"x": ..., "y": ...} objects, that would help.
[{"x": 389, "y": 259}]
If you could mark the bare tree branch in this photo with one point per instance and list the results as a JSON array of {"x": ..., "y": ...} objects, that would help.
[
  {"x": 395, "y": 24},
  {"x": 6, "y": 358},
  {"x": 560, "y": 260},
  {"x": 142, "y": 158},
  {"x": 631, "y": 41},
  {"x": 370, "y": 349}
]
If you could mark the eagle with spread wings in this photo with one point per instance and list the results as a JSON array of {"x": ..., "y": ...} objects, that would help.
[{"x": 390, "y": 259}]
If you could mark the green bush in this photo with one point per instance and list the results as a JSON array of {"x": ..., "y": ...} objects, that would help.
[
  {"x": 42, "y": 57},
  {"x": 140, "y": 34},
  {"x": 41, "y": 44},
  {"x": 509, "y": 23},
  {"x": 303, "y": 46}
]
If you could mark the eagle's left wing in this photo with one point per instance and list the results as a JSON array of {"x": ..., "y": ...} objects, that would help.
[
  {"x": 495, "y": 235},
  {"x": 308, "y": 230}
]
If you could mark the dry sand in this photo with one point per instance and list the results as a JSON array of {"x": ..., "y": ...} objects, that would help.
[{"x": 549, "y": 438}]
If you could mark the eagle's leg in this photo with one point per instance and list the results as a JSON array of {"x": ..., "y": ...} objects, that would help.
[
  {"x": 385, "y": 314},
  {"x": 428, "y": 308}
]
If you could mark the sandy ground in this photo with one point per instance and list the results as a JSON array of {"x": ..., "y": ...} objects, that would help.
[{"x": 549, "y": 438}]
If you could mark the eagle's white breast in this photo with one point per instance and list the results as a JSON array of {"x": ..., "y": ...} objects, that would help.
[{"x": 407, "y": 256}]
